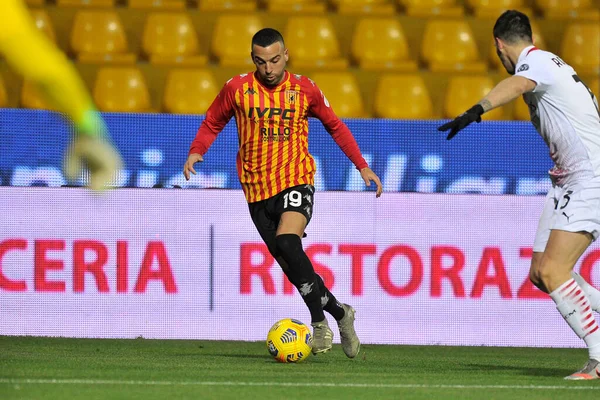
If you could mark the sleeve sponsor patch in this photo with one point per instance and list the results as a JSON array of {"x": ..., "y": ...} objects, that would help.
[
  {"x": 325, "y": 99},
  {"x": 523, "y": 67}
]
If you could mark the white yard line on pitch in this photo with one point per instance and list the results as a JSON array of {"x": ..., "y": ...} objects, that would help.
[{"x": 286, "y": 384}]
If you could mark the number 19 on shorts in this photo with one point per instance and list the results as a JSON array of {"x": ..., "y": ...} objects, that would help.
[{"x": 293, "y": 198}]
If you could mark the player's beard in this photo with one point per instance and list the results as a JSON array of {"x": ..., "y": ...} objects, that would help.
[
  {"x": 508, "y": 65},
  {"x": 274, "y": 81},
  {"x": 511, "y": 69}
]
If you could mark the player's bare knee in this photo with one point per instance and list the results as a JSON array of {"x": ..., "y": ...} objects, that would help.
[
  {"x": 534, "y": 270},
  {"x": 548, "y": 271},
  {"x": 534, "y": 277}
]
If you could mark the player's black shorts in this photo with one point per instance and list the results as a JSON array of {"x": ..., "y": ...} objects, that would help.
[{"x": 267, "y": 213}]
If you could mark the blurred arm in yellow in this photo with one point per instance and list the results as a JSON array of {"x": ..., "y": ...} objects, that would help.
[{"x": 31, "y": 54}]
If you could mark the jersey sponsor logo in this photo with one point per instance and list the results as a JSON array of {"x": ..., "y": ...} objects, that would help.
[
  {"x": 270, "y": 112},
  {"x": 280, "y": 134},
  {"x": 523, "y": 67},
  {"x": 290, "y": 96}
]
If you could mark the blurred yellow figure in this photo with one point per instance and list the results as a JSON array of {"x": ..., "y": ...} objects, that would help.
[{"x": 31, "y": 54}]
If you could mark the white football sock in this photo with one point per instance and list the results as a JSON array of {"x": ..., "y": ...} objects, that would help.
[
  {"x": 591, "y": 292},
  {"x": 574, "y": 306}
]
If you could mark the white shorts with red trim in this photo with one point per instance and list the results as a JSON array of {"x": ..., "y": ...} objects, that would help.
[{"x": 571, "y": 208}]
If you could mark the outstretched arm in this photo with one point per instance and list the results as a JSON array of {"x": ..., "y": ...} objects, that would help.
[
  {"x": 31, "y": 54},
  {"x": 504, "y": 92}
]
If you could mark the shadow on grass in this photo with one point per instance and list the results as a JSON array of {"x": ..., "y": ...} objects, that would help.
[
  {"x": 266, "y": 358},
  {"x": 237, "y": 356},
  {"x": 537, "y": 371}
]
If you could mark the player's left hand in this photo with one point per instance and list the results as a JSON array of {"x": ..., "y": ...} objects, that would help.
[
  {"x": 99, "y": 156},
  {"x": 189, "y": 165},
  {"x": 473, "y": 114},
  {"x": 368, "y": 175}
]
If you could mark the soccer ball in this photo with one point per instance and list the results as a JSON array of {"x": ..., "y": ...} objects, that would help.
[{"x": 289, "y": 341}]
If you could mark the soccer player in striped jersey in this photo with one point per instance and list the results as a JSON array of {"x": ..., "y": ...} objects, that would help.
[
  {"x": 31, "y": 54},
  {"x": 565, "y": 113},
  {"x": 271, "y": 107}
]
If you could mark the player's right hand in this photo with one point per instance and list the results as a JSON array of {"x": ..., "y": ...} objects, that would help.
[
  {"x": 97, "y": 155},
  {"x": 189, "y": 165},
  {"x": 459, "y": 123}
]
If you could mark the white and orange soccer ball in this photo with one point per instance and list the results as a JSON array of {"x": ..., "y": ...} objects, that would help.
[{"x": 289, "y": 341}]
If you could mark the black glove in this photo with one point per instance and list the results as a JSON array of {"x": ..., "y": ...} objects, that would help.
[{"x": 459, "y": 123}]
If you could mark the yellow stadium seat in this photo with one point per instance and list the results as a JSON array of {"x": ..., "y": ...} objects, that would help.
[
  {"x": 43, "y": 23},
  {"x": 464, "y": 92},
  {"x": 568, "y": 9},
  {"x": 493, "y": 8},
  {"x": 538, "y": 41},
  {"x": 3, "y": 96},
  {"x": 232, "y": 38},
  {"x": 372, "y": 7},
  {"x": 432, "y": 8},
  {"x": 32, "y": 98},
  {"x": 449, "y": 45},
  {"x": 296, "y": 6},
  {"x": 227, "y": 5},
  {"x": 581, "y": 48},
  {"x": 121, "y": 89},
  {"x": 170, "y": 38},
  {"x": 85, "y": 3},
  {"x": 379, "y": 44},
  {"x": 521, "y": 110},
  {"x": 189, "y": 91},
  {"x": 99, "y": 37},
  {"x": 402, "y": 97},
  {"x": 342, "y": 92},
  {"x": 158, "y": 4},
  {"x": 312, "y": 43}
]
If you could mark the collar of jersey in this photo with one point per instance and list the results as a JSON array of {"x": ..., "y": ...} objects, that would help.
[
  {"x": 283, "y": 82},
  {"x": 524, "y": 53}
]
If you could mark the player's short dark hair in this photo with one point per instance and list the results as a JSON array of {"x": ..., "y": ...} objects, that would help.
[
  {"x": 513, "y": 26},
  {"x": 266, "y": 37}
]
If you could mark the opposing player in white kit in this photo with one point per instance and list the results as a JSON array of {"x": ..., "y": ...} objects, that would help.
[{"x": 565, "y": 113}]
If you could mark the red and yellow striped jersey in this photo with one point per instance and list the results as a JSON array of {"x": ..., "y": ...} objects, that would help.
[{"x": 272, "y": 124}]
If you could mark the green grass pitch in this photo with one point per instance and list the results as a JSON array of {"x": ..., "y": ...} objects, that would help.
[{"x": 59, "y": 368}]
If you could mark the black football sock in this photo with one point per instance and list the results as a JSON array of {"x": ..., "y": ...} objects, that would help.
[
  {"x": 329, "y": 302},
  {"x": 301, "y": 273}
]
